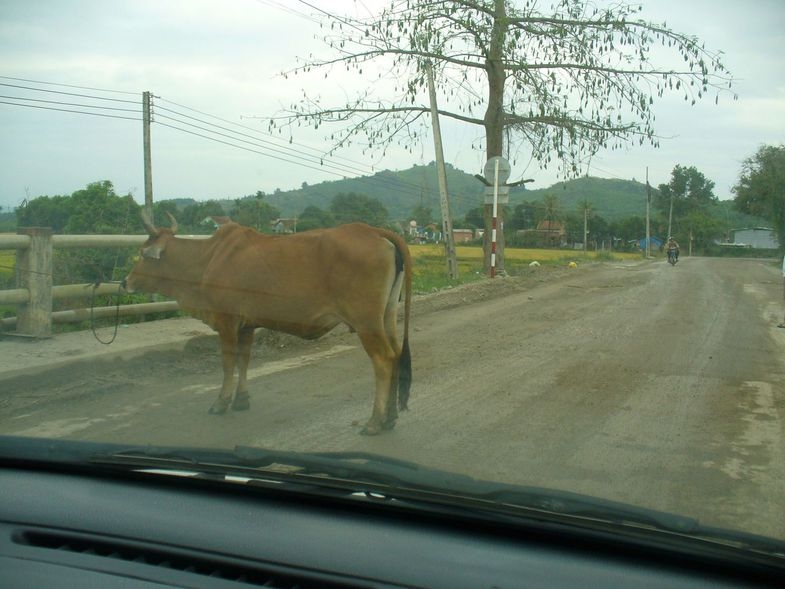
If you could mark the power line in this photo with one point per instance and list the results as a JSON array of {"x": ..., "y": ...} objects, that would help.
[
  {"x": 66, "y": 85},
  {"x": 81, "y": 112},
  {"x": 222, "y": 135},
  {"x": 299, "y": 163},
  {"x": 394, "y": 183},
  {"x": 268, "y": 137},
  {"x": 66, "y": 106},
  {"x": 246, "y": 139},
  {"x": 288, "y": 9},
  {"x": 250, "y": 139},
  {"x": 67, "y": 93},
  {"x": 400, "y": 185},
  {"x": 60, "y": 103},
  {"x": 307, "y": 160}
]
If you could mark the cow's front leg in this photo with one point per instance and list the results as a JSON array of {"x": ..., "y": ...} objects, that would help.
[
  {"x": 228, "y": 362},
  {"x": 244, "y": 344},
  {"x": 221, "y": 404}
]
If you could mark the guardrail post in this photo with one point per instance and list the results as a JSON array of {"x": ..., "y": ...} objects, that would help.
[{"x": 34, "y": 272}]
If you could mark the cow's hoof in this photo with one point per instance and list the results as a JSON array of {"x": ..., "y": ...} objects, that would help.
[
  {"x": 388, "y": 425},
  {"x": 218, "y": 408},
  {"x": 241, "y": 402},
  {"x": 371, "y": 429}
]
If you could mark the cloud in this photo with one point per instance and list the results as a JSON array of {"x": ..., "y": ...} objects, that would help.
[{"x": 224, "y": 58}]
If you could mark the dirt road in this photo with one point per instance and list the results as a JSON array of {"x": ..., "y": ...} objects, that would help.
[{"x": 659, "y": 386}]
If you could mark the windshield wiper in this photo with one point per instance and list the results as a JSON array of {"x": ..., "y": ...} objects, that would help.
[
  {"x": 356, "y": 467},
  {"x": 361, "y": 473},
  {"x": 393, "y": 477}
]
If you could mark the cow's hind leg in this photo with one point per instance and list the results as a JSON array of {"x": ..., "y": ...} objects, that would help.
[
  {"x": 392, "y": 400},
  {"x": 244, "y": 344},
  {"x": 383, "y": 359},
  {"x": 390, "y": 318}
]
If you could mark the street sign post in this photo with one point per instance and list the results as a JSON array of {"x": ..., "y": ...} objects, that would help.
[
  {"x": 494, "y": 186},
  {"x": 497, "y": 171},
  {"x": 495, "y": 175}
]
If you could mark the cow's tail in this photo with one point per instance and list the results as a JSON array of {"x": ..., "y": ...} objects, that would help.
[{"x": 403, "y": 263}]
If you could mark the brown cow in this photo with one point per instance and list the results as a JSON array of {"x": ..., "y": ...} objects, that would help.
[{"x": 303, "y": 284}]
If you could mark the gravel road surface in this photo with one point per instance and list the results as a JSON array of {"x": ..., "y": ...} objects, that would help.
[{"x": 640, "y": 382}]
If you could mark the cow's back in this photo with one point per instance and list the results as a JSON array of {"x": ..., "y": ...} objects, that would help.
[{"x": 293, "y": 282}]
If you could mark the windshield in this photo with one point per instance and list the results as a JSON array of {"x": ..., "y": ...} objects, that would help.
[{"x": 552, "y": 263}]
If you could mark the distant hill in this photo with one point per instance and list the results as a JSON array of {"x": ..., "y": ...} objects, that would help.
[
  {"x": 609, "y": 198},
  {"x": 401, "y": 191},
  {"x": 404, "y": 190}
]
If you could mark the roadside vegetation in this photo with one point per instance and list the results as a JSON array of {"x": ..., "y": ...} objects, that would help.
[
  {"x": 429, "y": 266},
  {"x": 549, "y": 232}
]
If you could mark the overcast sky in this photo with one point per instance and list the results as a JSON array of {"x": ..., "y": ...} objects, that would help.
[{"x": 223, "y": 58}]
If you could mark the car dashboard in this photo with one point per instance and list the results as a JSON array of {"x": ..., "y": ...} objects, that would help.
[{"x": 70, "y": 527}]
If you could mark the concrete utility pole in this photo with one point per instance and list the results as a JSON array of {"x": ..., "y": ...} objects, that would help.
[
  {"x": 449, "y": 238},
  {"x": 148, "y": 173},
  {"x": 648, "y": 206},
  {"x": 585, "y": 225}
]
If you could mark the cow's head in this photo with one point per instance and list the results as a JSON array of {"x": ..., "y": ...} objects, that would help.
[{"x": 150, "y": 268}]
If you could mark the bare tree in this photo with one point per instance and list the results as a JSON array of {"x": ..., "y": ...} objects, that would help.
[{"x": 561, "y": 84}]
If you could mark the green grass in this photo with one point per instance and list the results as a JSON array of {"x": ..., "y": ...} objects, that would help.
[
  {"x": 7, "y": 279},
  {"x": 7, "y": 262},
  {"x": 430, "y": 269}
]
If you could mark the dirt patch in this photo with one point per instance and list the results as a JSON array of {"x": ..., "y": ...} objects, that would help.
[{"x": 439, "y": 300}]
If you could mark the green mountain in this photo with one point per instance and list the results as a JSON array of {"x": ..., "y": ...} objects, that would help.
[
  {"x": 402, "y": 191},
  {"x": 609, "y": 198}
]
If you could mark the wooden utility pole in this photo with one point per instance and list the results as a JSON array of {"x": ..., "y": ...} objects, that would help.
[
  {"x": 148, "y": 172},
  {"x": 449, "y": 238}
]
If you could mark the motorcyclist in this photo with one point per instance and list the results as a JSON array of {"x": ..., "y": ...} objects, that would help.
[{"x": 672, "y": 246}]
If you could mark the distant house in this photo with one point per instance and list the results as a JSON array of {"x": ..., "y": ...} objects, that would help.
[
  {"x": 547, "y": 234},
  {"x": 655, "y": 243},
  {"x": 756, "y": 237},
  {"x": 428, "y": 234},
  {"x": 433, "y": 234},
  {"x": 462, "y": 235}
]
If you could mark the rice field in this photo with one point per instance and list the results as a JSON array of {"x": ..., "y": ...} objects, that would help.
[
  {"x": 7, "y": 261},
  {"x": 430, "y": 268}
]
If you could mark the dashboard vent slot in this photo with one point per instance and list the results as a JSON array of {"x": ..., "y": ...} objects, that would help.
[{"x": 260, "y": 575}]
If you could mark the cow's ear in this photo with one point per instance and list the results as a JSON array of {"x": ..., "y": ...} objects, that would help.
[{"x": 153, "y": 251}]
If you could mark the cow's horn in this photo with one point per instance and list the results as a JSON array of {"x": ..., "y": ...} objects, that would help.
[
  {"x": 148, "y": 223},
  {"x": 173, "y": 221}
]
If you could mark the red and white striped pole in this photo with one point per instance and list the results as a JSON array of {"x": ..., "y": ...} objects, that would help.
[{"x": 495, "y": 216}]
